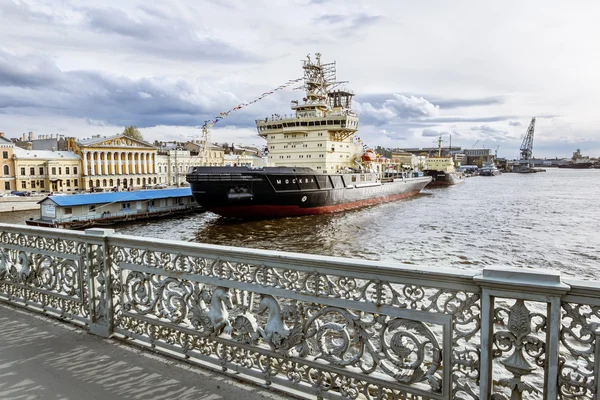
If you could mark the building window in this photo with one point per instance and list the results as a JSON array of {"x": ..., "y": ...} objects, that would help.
[
  {"x": 68, "y": 210},
  {"x": 53, "y": 170},
  {"x": 22, "y": 170},
  {"x": 125, "y": 206},
  {"x": 68, "y": 183},
  {"x": 91, "y": 183},
  {"x": 5, "y": 154},
  {"x": 32, "y": 171},
  {"x": 33, "y": 184},
  {"x": 6, "y": 185},
  {"x": 60, "y": 170},
  {"x": 6, "y": 170},
  {"x": 75, "y": 170},
  {"x": 104, "y": 182},
  {"x": 138, "y": 181},
  {"x": 93, "y": 207},
  {"x": 98, "y": 182},
  {"x": 42, "y": 184},
  {"x": 159, "y": 169},
  {"x": 110, "y": 182},
  {"x": 41, "y": 170},
  {"x": 67, "y": 171},
  {"x": 23, "y": 185},
  {"x": 75, "y": 183}
]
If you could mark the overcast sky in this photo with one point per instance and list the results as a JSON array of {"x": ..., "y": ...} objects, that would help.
[{"x": 475, "y": 70}]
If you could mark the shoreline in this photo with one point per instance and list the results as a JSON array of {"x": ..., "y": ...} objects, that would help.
[{"x": 20, "y": 205}]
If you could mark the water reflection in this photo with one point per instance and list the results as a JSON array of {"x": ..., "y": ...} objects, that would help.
[{"x": 533, "y": 221}]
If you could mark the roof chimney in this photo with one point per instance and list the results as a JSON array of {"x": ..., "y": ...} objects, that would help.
[
  {"x": 30, "y": 135},
  {"x": 24, "y": 136}
]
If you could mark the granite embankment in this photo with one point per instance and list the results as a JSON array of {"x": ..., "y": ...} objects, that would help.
[{"x": 17, "y": 203}]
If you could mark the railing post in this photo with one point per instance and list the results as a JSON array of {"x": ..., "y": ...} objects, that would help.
[
  {"x": 98, "y": 272},
  {"x": 524, "y": 285}
]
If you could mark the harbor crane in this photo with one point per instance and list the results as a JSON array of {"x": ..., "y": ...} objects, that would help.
[{"x": 527, "y": 145}]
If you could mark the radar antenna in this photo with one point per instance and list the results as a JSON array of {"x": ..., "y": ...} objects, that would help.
[{"x": 527, "y": 145}]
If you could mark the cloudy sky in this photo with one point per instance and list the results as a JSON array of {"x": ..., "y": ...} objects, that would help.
[{"x": 475, "y": 70}]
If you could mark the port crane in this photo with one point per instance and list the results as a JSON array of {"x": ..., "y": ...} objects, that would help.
[{"x": 527, "y": 145}]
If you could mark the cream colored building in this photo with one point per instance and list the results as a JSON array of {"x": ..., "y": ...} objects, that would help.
[
  {"x": 7, "y": 165},
  {"x": 47, "y": 170},
  {"x": 115, "y": 162},
  {"x": 214, "y": 155},
  {"x": 172, "y": 166}
]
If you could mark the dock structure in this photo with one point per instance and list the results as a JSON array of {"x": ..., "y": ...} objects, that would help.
[
  {"x": 315, "y": 326},
  {"x": 106, "y": 208}
]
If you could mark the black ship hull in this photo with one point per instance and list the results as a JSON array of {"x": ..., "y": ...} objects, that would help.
[
  {"x": 273, "y": 192},
  {"x": 442, "y": 178}
]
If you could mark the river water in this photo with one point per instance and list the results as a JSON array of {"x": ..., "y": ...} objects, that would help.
[{"x": 545, "y": 220}]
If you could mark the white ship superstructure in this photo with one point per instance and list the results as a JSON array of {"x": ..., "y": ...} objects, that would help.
[{"x": 320, "y": 135}]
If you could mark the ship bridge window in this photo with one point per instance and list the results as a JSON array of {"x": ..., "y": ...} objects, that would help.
[
  {"x": 329, "y": 122},
  {"x": 303, "y": 124},
  {"x": 353, "y": 178}
]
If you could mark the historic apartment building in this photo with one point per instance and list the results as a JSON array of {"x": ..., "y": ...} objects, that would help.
[
  {"x": 214, "y": 155},
  {"x": 172, "y": 166},
  {"x": 46, "y": 170},
  {"x": 7, "y": 165},
  {"x": 115, "y": 162}
]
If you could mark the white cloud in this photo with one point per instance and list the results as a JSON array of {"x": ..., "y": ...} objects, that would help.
[{"x": 129, "y": 61}]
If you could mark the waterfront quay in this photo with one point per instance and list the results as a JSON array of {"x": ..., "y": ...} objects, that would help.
[{"x": 307, "y": 325}]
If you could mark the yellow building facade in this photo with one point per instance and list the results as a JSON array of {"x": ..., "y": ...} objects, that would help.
[
  {"x": 7, "y": 165},
  {"x": 115, "y": 163},
  {"x": 46, "y": 171}
]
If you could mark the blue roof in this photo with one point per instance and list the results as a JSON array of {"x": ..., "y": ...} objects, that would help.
[{"x": 115, "y": 197}]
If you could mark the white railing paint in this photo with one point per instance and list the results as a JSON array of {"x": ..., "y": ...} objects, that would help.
[{"x": 325, "y": 326}]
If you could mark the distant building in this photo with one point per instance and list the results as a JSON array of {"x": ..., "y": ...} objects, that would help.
[
  {"x": 403, "y": 158},
  {"x": 479, "y": 155},
  {"x": 47, "y": 170},
  {"x": 7, "y": 165},
  {"x": 245, "y": 160},
  {"x": 115, "y": 161},
  {"x": 43, "y": 142},
  {"x": 214, "y": 155},
  {"x": 461, "y": 158},
  {"x": 172, "y": 166},
  {"x": 446, "y": 151}
]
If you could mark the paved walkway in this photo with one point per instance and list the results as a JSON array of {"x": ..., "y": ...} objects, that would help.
[{"x": 41, "y": 358}]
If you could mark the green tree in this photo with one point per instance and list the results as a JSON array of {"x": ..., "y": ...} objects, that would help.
[{"x": 133, "y": 132}]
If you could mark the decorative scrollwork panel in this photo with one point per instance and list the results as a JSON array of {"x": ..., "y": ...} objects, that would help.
[
  {"x": 578, "y": 368},
  {"x": 50, "y": 275},
  {"x": 519, "y": 349},
  {"x": 460, "y": 306},
  {"x": 271, "y": 334}
]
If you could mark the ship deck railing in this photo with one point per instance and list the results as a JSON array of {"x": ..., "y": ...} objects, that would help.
[
  {"x": 118, "y": 214},
  {"x": 324, "y": 327}
]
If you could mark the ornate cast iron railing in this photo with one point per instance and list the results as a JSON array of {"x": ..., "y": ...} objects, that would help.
[{"x": 322, "y": 326}]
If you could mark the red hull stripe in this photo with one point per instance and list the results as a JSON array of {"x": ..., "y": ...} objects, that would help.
[{"x": 292, "y": 211}]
